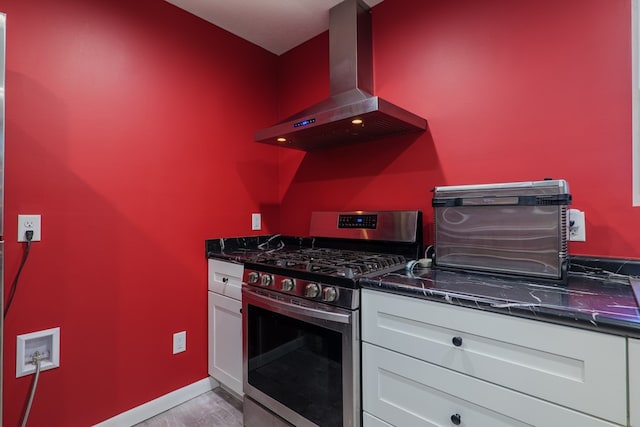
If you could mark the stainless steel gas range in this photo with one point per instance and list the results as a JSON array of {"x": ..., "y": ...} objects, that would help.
[{"x": 301, "y": 320}]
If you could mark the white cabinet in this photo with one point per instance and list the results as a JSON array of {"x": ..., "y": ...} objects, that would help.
[
  {"x": 489, "y": 368},
  {"x": 404, "y": 391},
  {"x": 634, "y": 382},
  {"x": 225, "y": 324},
  {"x": 225, "y": 341}
]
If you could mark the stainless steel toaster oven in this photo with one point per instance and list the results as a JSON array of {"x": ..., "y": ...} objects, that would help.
[{"x": 514, "y": 228}]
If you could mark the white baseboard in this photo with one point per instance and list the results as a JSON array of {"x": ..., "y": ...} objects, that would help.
[{"x": 161, "y": 404}]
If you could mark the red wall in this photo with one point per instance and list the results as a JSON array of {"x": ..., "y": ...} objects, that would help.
[
  {"x": 127, "y": 130},
  {"x": 512, "y": 91}
]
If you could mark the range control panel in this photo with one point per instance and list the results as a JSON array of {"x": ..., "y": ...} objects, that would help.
[
  {"x": 368, "y": 221},
  {"x": 384, "y": 226}
]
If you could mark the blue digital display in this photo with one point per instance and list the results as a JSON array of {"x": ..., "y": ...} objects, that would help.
[
  {"x": 304, "y": 123},
  {"x": 358, "y": 221}
]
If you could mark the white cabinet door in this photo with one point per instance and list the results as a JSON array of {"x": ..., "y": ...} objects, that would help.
[
  {"x": 634, "y": 382},
  {"x": 407, "y": 392},
  {"x": 572, "y": 367},
  {"x": 225, "y": 341}
]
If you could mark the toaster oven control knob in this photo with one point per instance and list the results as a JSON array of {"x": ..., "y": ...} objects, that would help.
[
  {"x": 266, "y": 280},
  {"x": 253, "y": 277},
  {"x": 312, "y": 290},
  {"x": 329, "y": 294},
  {"x": 288, "y": 285}
]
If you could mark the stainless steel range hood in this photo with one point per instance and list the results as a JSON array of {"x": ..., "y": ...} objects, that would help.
[{"x": 351, "y": 113}]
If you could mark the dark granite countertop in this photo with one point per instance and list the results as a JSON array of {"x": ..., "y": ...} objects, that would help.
[
  {"x": 238, "y": 249},
  {"x": 593, "y": 297},
  {"x": 596, "y": 294}
]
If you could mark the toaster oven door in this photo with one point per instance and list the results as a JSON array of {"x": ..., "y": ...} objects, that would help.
[{"x": 513, "y": 228}]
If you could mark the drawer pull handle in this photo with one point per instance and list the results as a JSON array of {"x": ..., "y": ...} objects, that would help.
[
  {"x": 457, "y": 341},
  {"x": 456, "y": 419},
  {"x": 225, "y": 279}
]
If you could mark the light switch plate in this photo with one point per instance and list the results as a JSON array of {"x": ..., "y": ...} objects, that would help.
[
  {"x": 179, "y": 342},
  {"x": 256, "y": 221}
]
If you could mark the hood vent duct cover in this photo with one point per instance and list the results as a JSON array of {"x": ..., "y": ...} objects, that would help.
[{"x": 351, "y": 113}]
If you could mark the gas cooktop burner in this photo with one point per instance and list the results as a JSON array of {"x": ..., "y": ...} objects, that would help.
[{"x": 332, "y": 262}]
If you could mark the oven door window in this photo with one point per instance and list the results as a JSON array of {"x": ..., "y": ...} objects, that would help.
[{"x": 296, "y": 363}]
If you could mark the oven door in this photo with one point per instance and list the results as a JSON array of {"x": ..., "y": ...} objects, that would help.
[{"x": 301, "y": 359}]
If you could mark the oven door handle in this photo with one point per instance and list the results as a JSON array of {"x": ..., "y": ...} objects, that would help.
[{"x": 284, "y": 307}]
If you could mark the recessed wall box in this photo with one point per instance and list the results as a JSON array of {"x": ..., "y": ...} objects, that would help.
[{"x": 46, "y": 344}]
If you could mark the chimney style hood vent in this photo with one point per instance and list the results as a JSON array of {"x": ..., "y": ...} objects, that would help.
[{"x": 351, "y": 113}]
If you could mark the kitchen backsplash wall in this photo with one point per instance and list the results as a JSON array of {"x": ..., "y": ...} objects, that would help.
[{"x": 512, "y": 91}]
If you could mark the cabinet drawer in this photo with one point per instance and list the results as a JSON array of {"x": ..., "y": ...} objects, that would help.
[
  {"x": 407, "y": 392},
  {"x": 575, "y": 368},
  {"x": 225, "y": 278}
]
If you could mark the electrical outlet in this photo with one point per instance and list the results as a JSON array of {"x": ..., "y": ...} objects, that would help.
[
  {"x": 256, "y": 221},
  {"x": 179, "y": 342},
  {"x": 577, "y": 232},
  {"x": 46, "y": 344},
  {"x": 29, "y": 222}
]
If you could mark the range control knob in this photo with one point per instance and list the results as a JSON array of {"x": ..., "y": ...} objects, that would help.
[
  {"x": 266, "y": 280},
  {"x": 329, "y": 294},
  {"x": 312, "y": 290},
  {"x": 253, "y": 277},
  {"x": 288, "y": 285}
]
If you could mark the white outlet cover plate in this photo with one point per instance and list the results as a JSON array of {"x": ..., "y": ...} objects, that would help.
[
  {"x": 29, "y": 222},
  {"x": 46, "y": 342},
  {"x": 577, "y": 231},
  {"x": 179, "y": 342}
]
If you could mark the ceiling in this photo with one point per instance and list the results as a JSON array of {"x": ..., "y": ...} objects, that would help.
[{"x": 276, "y": 25}]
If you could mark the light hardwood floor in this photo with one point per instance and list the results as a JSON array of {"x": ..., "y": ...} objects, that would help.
[{"x": 216, "y": 408}]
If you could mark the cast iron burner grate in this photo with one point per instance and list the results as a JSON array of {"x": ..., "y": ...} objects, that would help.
[{"x": 333, "y": 262}]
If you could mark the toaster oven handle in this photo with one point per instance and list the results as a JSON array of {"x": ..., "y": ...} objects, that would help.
[
  {"x": 490, "y": 201},
  {"x": 537, "y": 200}
]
